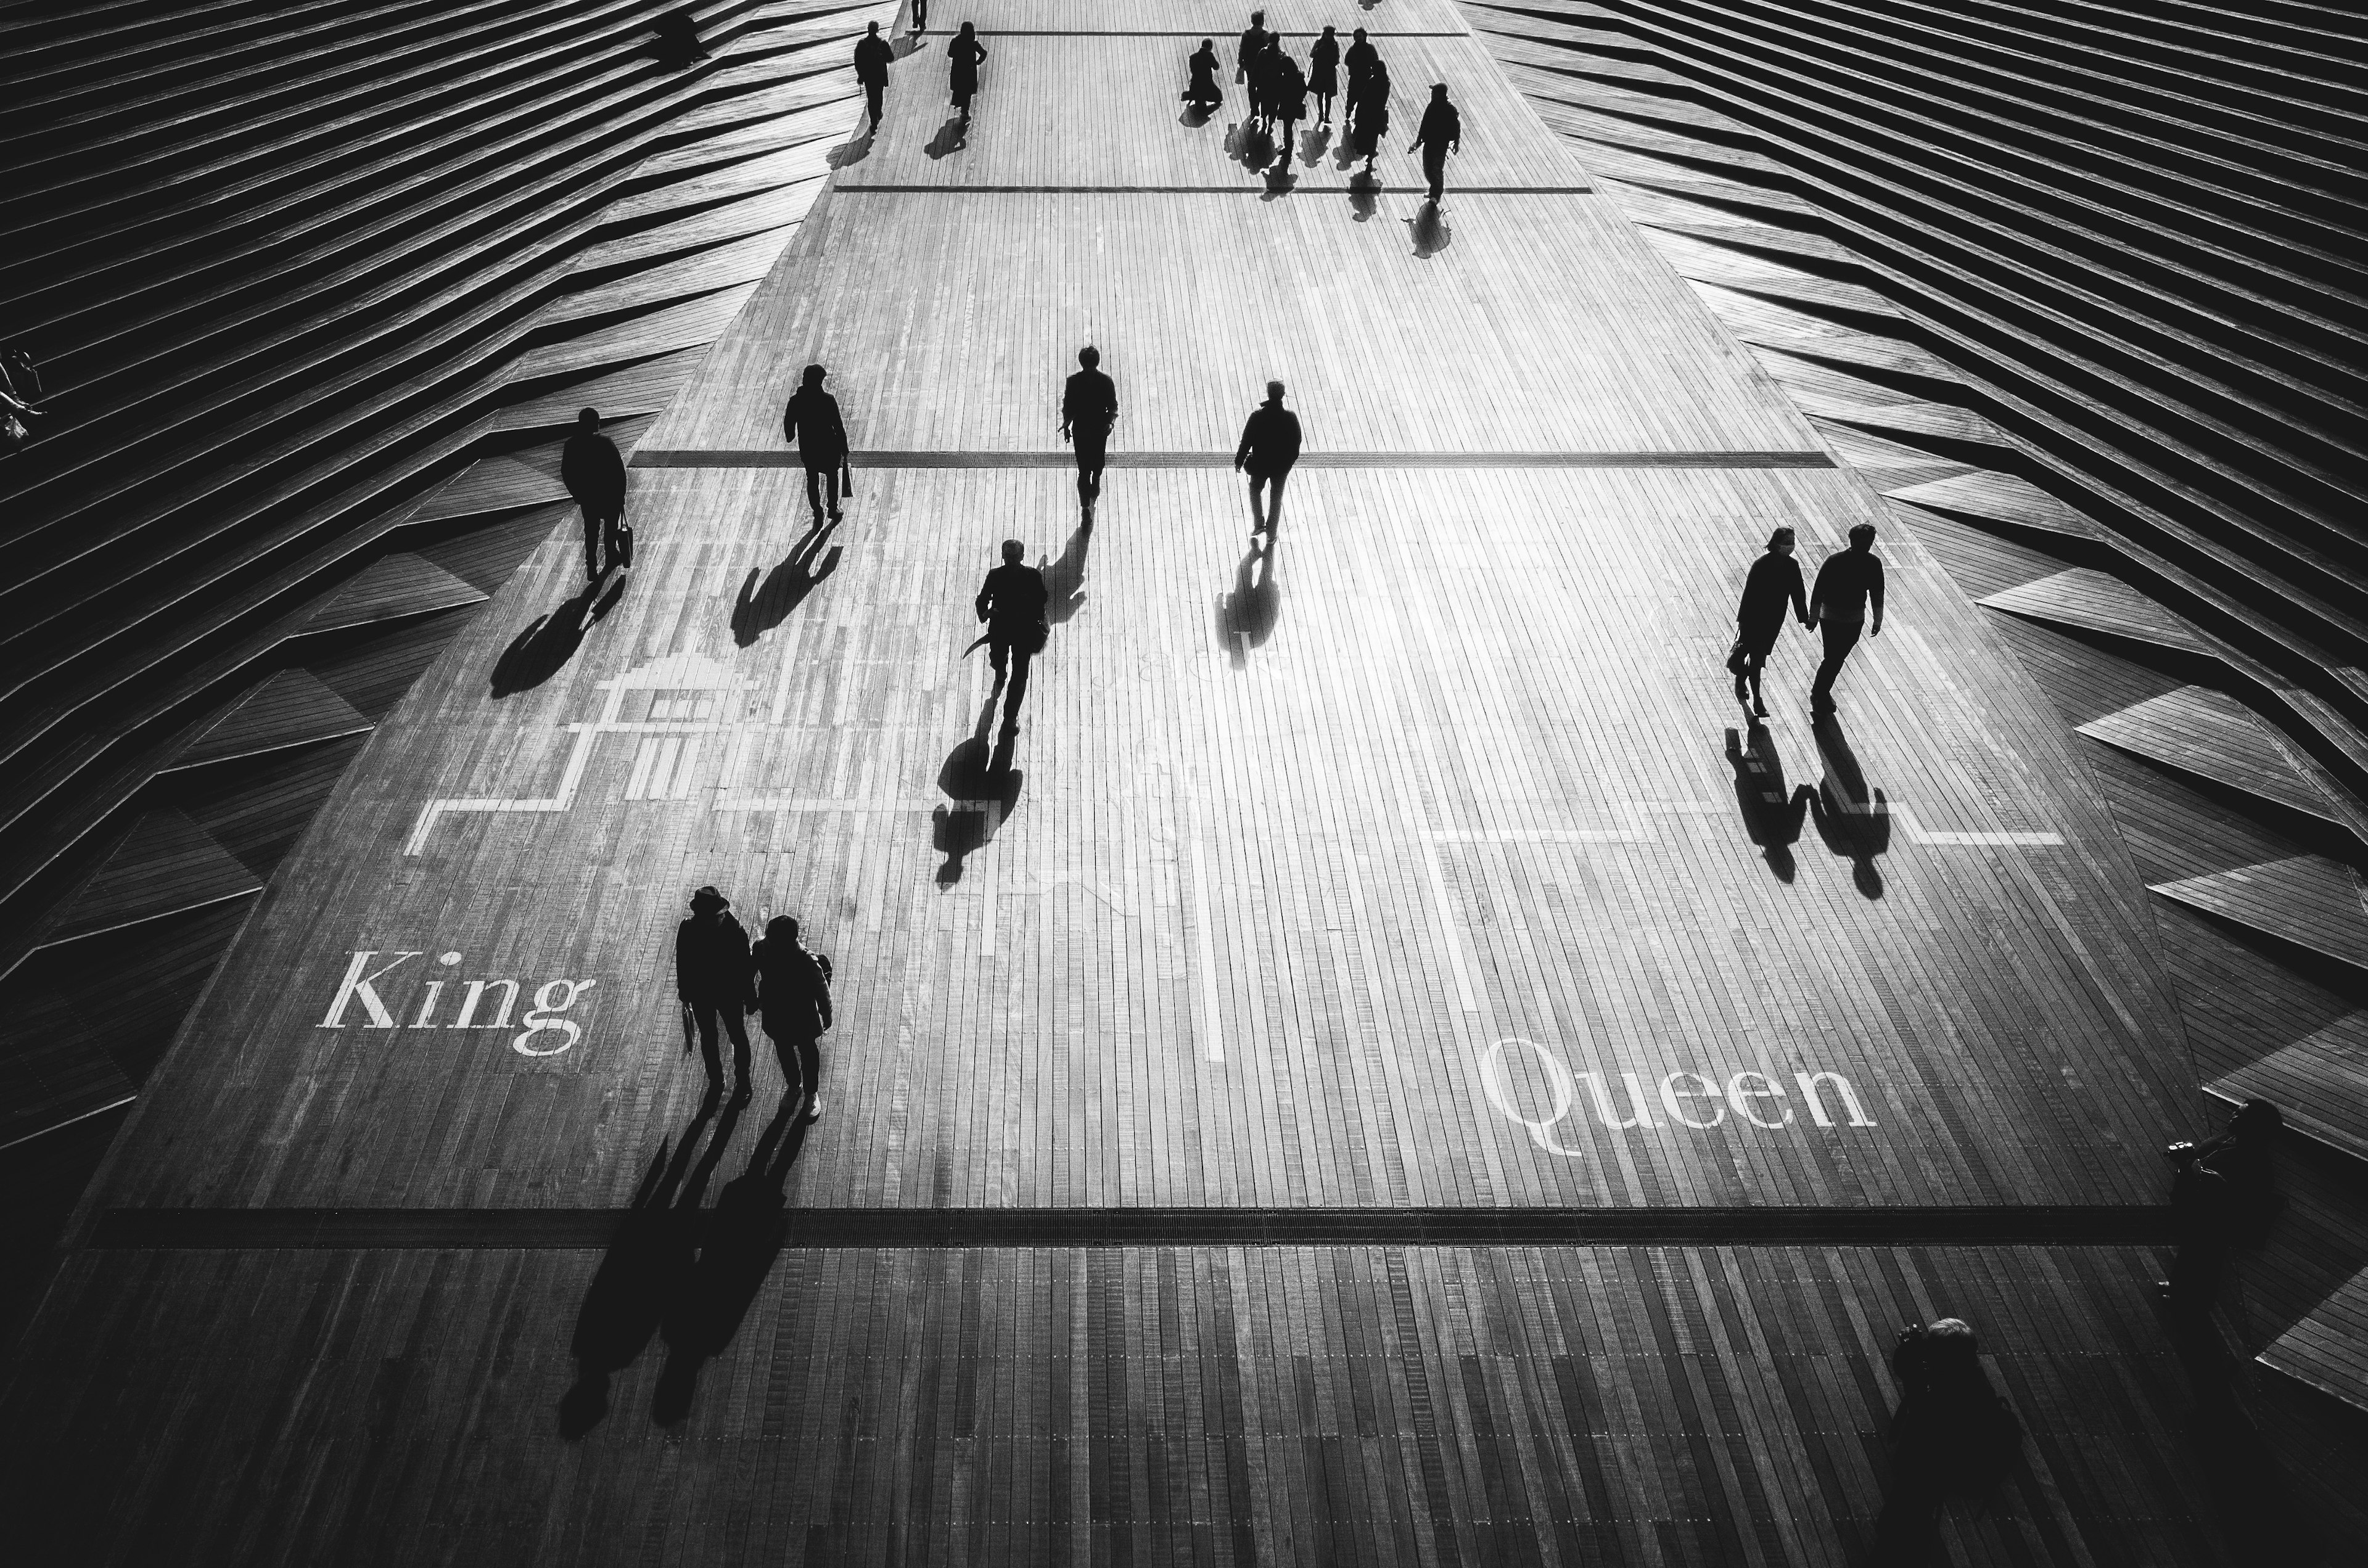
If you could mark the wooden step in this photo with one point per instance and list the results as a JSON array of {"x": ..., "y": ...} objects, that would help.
[
  {"x": 390, "y": 588},
  {"x": 166, "y": 865},
  {"x": 2093, "y": 601},
  {"x": 2320, "y": 1084},
  {"x": 2329, "y": 1349},
  {"x": 288, "y": 709},
  {"x": 2306, "y": 902},
  {"x": 1998, "y": 500},
  {"x": 2212, "y": 736}
]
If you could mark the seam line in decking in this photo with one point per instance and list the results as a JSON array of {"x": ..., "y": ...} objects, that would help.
[
  {"x": 741, "y": 456},
  {"x": 1258, "y": 189},
  {"x": 548, "y": 1229}
]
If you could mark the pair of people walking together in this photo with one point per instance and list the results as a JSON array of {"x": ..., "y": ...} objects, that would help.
[
  {"x": 1846, "y": 606},
  {"x": 721, "y": 978}
]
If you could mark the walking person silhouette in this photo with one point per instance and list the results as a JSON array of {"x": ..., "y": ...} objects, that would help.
[
  {"x": 1088, "y": 410},
  {"x": 1012, "y": 603},
  {"x": 966, "y": 52},
  {"x": 1269, "y": 448},
  {"x": 712, "y": 979},
  {"x": 1847, "y": 601},
  {"x": 793, "y": 995},
  {"x": 1324, "y": 74},
  {"x": 1359, "y": 59},
  {"x": 872, "y": 58},
  {"x": 594, "y": 473},
  {"x": 812, "y": 425},
  {"x": 1441, "y": 132},
  {"x": 1773, "y": 582},
  {"x": 1287, "y": 100},
  {"x": 920, "y": 18},
  {"x": 1372, "y": 113}
]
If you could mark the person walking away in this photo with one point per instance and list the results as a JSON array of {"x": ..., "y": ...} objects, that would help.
[
  {"x": 920, "y": 18},
  {"x": 1373, "y": 114},
  {"x": 872, "y": 58},
  {"x": 1012, "y": 603},
  {"x": 2223, "y": 1195},
  {"x": 967, "y": 53},
  {"x": 1773, "y": 582},
  {"x": 1324, "y": 74},
  {"x": 1359, "y": 59},
  {"x": 1289, "y": 101},
  {"x": 713, "y": 978},
  {"x": 794, "y": 998},
  {"x": 1255, "y": 38},
  {"x": 1848, "y": 600},
  {"x": 1088, "y": 410},
  {"x": 594, "y": 473},
  {"x": 1202, "y": 92},
  {"x": 1441, "y": 132},
  {"x": 812, "y": 425},
  {"x": 1269, "y": 447}
]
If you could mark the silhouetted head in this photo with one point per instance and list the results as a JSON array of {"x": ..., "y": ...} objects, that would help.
[
  {"x": 1439, "y": 92},
  {"x": 589, "y": 419},
  {"x": 1257, "y": 19},
  {"x": 1862, "y": 537},
  {"x": 871, "y": 28},
  {"x": 1089, "y": 356},
  {"x": 1208, "y": 43},
  {"x": 1328, "y": 31},
  {"x": 707, "y": 901},
  {"x": 1360, "y": 35},
  {"x": 968, "y": 30},
  {"x": 1950, "y": 1346},
  {"x": 783, "y": 929},
  {"x": 1274, "y": 391},
  {"x": 2257, "y": 1118},
  {"x": 814, "y": 376},
  {"x": 1014, "y": 551},
  {"x": 1780, "y": 542}
]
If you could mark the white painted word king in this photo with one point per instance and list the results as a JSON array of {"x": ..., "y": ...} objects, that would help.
[{"x": 373, "y": 974}]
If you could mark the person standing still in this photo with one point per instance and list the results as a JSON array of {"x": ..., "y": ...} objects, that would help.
[
  {"x": 794, "y": 997},
  {"x": 1269, "y": 447},
  {"x": 1012, "y": 603},
  {"x": 1847, "y": 601},
  {"x": 967, "y": 53},
  {"x": 1441, "y": 132},
  {"x": 1088, "y": 410},
  {"x": 1324, "y": 74},
  {"x": 872, "y": 58},
  {"x": 1774, "y": 581},
  {"x": 713, "y": 978},
  {"x": 594, "y": 473},
  {"x": 812, "y": 425}
]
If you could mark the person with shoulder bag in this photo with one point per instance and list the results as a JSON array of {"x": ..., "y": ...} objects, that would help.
[{"x": 794, "y": 997}]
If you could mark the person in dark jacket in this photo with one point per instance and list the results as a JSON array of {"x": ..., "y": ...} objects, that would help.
[
  {"x": 1951, "y": 1434},
  {"x": 1255, "y": 38},
  {"x": 793, "y": 995},
  {"x": 1359, "y": 60},
  {"x": 872, "y": 58},
  {"x": 1289, "y": 101},
  {"x": 1269, "y": 447},
  {"x": 1088, "y": 410},
  {"x": 1202, "y": 92},
  {"x": 1324, "y": 74},
  {"x": 1372, "y": 105},
  {"x": 2223, "y": 1195},
  {"x": 677, "y": 46},
  {"x": 1774, "y": 581},
  {"x": 1847, "y": 601},
  {"x": 967, "y": 53},
  {"x": 1441, "y": 132},
  {"x": 594, "y": 473},
  {"x": 1012, "y": 603},
  {"x": 812, "y": 422},
  {"x": 713, "y": 978}
]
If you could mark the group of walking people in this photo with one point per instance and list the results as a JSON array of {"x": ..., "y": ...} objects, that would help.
[
  {"x": 1278, "y": 92},
  {"x": 873, "y": 55},
  {"x": 721, "y": 979}
]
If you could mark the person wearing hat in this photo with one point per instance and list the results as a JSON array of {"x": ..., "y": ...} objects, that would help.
[
  {"x": 811, "y": 421},
  {"x": 714, "y": 977},
  {"x": 1441, "y": 132},
  {"x": 594, "y": 473}
]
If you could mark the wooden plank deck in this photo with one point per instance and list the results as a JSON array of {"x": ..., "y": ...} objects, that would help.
[{"x": 1420, "y": 861}]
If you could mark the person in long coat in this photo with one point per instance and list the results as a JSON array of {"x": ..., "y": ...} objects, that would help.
[
  {"x": 1773, "y": 582},
  {"x": 1255, "y": 38},
  {"x": 966, "y": 52},
  {"x": 872, "y": 58},
  {"x": 1359, "y": 60},
  {"x": 1203, "y": 92},
  {"x": 1290, "y": 100},
  {"x": 594, "y": 473},
  {"x": 713, "y": 978},
  {"x": 1372, "y": 113},
  {"x": 1324, "y": 74},
  {"x": 812, "y": 422},
  {"x": 794, "y": 997}
]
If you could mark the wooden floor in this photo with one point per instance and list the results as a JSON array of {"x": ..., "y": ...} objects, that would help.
[{"x": 1419, "y": 860}]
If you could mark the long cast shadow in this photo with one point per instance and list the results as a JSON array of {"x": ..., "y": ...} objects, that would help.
[
  {"x": 951, "y": 138},
  {"x": 984, "y": 789},
  {"x": 762, "y": 607},
  {"x": 1772, "y": 818},
  {"x": 744, "y": 1235},
  {"x": 1246, "y": 617},
  {"x": 650, "y": 1259},
  {"x": 550, "y": 639},
  {"x": 1429, "y": 230},
  {"x": 1064, "y": 579},
  {"x": 1854, "y": 822}
]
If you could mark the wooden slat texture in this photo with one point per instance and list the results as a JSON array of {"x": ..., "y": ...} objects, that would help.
[
  {"x": 2093, "y": 601},
  {"x": 1222, "y": 21},
  {"x": 2329, "y": 1349},
  {"x": 2309, "y": 901},
  {"x": 2213, "y": 736},
  {"x": 2320, "y": 1083},
  {"x": 398, "y": 585},
  {"x": 1997, "y": 498},
  {"x": 292, "y": 708},
  {"x": 165, "y": 865}
]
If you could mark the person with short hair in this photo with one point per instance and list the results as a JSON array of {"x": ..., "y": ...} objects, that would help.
[
  {"x": 1441, "y": 132},
  {"x": 715, "y": 985},
  {"x": 1269, "y": 448},
  {"x": 594, "y": 473},
  {"x": 872, "y": 58},
  {"x": 1012, "y": 603},
  {"x": 1774, "y": 580},
  {"x": 1847, "y": 602},
  {"x": 1324, "y": 74},
  {"x": 1089, "y": 411},
  {"x": 1372, "y": 102},
  {"x": 1359, "y": 60},
  {"x": 794, "y": 998},
  {"x": 812, "y": 422}
]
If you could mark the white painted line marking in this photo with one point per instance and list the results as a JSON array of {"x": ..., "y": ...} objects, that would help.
[{"x": 1211, "y": 1015}]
